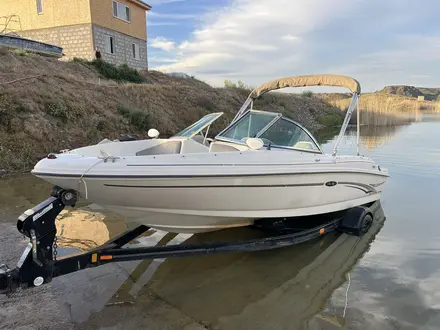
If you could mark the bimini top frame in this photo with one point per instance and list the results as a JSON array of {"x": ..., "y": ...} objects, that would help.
[{"x": 312, "y": 80}]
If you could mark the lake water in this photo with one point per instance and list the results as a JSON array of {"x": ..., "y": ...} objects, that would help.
[{"x": 388, "y": 279}]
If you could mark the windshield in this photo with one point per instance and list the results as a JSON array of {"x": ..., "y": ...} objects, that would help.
[
  {"x": 249, "y": 125},
  {"x": 285, "y": 133},
  {"x": 272, "y": 129},
  {"x": 198, "y": 126}
]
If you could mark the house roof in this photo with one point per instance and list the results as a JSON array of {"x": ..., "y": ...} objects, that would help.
[{"x": 142, "y": 4}]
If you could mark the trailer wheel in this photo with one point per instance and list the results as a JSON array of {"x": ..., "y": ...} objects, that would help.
[{"x": 356, "y": 221}]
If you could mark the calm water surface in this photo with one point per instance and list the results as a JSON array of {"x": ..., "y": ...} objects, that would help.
[{"x": 389, "y": 279}]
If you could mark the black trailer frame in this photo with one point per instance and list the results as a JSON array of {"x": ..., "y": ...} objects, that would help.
[{"x": 39, "y": 263}]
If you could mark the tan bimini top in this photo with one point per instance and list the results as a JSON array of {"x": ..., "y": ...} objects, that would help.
[{"x": 308, "y": 80}]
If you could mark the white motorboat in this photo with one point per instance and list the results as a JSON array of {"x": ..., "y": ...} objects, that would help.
[{"x": 263, "y": 165}]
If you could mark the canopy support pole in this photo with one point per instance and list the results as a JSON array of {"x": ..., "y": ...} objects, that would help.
[
  {"x": 345, "y": 123},
  {"x": 358, "y": 128}
]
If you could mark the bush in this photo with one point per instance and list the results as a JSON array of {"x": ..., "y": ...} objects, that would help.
[
  {"x": 307, "y": 94},
  {"x": 79, "y": 60},
  {"x": 331, "y": 119},
  {"x": 239, "y": 84},
  {"x": 9, "y": 108},
  {"x": 135, "y": 117},
  {"x": 206, "y": 102},
  {"x": 63, "y": 110},
  {"x": 121, "y": 73}
]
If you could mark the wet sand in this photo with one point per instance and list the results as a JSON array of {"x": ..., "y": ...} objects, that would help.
[{"x": 73, "y": 299}]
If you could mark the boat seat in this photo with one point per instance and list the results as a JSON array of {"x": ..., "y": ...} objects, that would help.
[
  {"x": 199, "y": 139},
  {"x": 219, "y": 146},
  {"x": 167, "y": 148}
]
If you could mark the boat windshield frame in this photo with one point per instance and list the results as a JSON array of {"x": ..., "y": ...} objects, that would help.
[
  {"x": 214, "y": 115},
  {"x": 277, "y": 118}
]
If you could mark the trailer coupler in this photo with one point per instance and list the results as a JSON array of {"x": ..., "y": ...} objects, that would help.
[{"x": 35, "y": 265}]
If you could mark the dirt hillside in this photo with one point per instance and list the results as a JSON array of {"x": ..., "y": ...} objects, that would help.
[
  {"x": 430, "y": 94},
  {"x": 47, "y": 105}
]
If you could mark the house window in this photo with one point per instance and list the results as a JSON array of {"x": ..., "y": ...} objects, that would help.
[
  {"x": 109, "y": 44},
  {"x": 39, "y": 7},
  {"x": 121, "y": 11},
  {"x": 135, "y": 48}
]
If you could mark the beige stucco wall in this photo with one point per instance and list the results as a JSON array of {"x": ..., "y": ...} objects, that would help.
[
  {"x": 72, "y": 12},
  {"x": 55, "y": 12},
  {"x": 102, "y": 14}
]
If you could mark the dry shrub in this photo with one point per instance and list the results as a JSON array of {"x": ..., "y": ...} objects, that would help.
[{"x": 383, "y": 109}]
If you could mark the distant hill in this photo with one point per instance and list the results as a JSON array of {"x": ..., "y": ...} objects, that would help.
[{"x": 430, "y": 94}]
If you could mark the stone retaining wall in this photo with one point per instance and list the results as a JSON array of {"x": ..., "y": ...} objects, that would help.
[
  {"x": 123, "y": 48},
  {"x": 76, "y": 40},
  {"x": 80, "y": 41}
]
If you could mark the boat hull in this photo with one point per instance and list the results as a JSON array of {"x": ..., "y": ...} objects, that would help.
[{"x": 199, "y": 204}]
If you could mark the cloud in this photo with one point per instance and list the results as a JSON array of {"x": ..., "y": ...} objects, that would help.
[
  {"x": 162, "y": 43},
  {"x": 173, "y": 16},
  {"x": 162, "y": 60},
  {"x": 289, "y": 37},
  {"x": 409, "y": 60},
  {"x": 162, "y": 23},
  {"x": 255, "y": 41},
  {"x": 161, "y": 2}
]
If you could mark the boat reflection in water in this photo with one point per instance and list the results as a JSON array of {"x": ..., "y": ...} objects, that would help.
[
  {"x": 87, "y": 228},
  {"x": 274, "y": 289}
]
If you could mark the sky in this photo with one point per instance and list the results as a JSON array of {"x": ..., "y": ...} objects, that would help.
[{"x": 377, "y": 42}]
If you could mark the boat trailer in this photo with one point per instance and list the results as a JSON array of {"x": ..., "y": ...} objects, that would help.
[{"x": 39, "y": 264}]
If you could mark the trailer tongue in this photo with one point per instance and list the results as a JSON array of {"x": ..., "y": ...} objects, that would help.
[{"x": 39, "y": 264}]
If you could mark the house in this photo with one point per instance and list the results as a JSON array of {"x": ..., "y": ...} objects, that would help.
[{"x": 117, "y": 27}]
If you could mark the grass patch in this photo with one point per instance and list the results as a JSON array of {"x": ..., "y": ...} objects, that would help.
[
  {"x": 22, "y": 52},
  {"x": 80, "y": 60},
  {"x": 120, "y": 73},
  {"x": 16, "y": 154},
  {"x": 10, "y": 107},
  {"x": 137, "y": 118},
  {"x": 62, "y": 110}
]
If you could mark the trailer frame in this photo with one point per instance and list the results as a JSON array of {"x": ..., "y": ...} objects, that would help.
[{"x": 39, "y": 264}]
